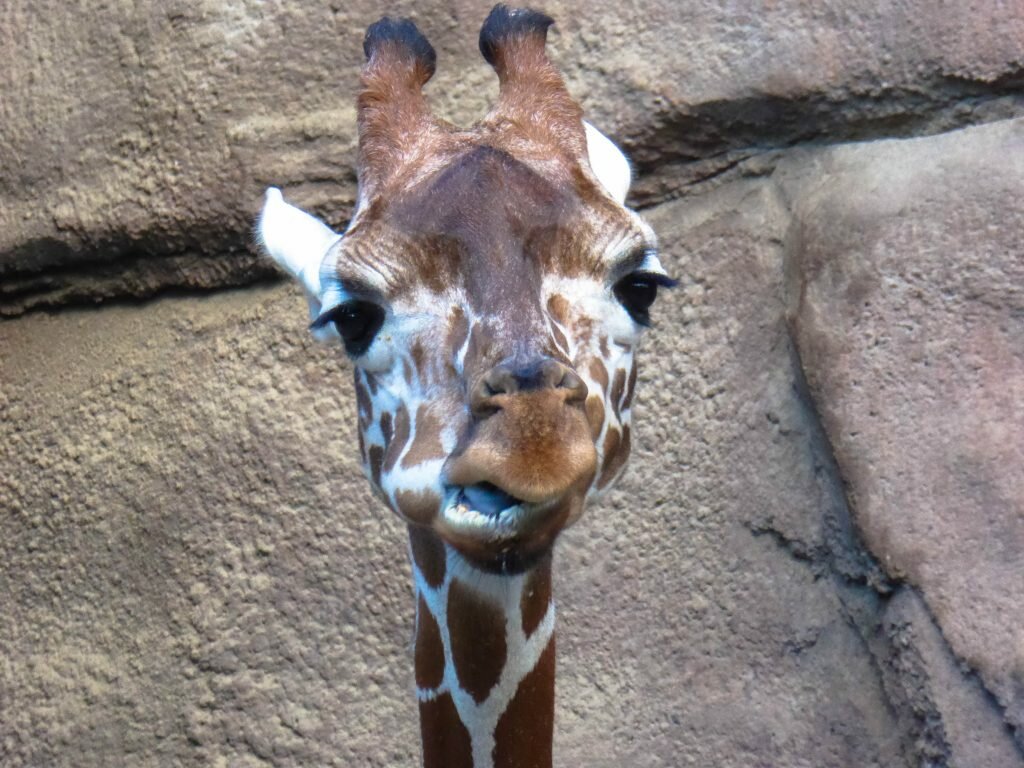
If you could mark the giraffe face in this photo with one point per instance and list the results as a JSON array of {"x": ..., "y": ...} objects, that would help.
[{"x": 491, "y": 291}]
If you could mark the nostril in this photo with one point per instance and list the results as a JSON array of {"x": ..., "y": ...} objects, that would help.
[
  {"x": 509, "y": 379},
  {"x": 482, "y": 401},
  {"x": 500, "y": 380},
  {"x": 574, "y": 384}
]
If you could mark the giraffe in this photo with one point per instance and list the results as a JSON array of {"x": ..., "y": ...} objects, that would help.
[{"x": 491, "y": 290}]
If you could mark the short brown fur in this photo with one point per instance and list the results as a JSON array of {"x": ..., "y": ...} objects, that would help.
[
  {"x": 446, "y": 741},
  {"x": 478, "y": 640},
  {"x": 517, "y": 746}
]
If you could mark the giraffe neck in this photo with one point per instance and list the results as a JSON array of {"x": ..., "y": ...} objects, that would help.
[{"x": 485, "y": 661}]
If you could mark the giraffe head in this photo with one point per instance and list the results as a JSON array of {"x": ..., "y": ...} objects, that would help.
[{"x": 490, "y": 290}]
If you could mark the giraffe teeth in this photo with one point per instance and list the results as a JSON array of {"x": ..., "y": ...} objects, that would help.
[
  {"x": 486, "y": 498},
  {"x": 503, "y": 525}
]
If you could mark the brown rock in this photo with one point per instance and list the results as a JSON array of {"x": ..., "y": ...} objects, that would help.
[
  {"x": 188, "y": 554},
  {"x": 951, "y": 713},
  {"x": 196, "y": 571}
]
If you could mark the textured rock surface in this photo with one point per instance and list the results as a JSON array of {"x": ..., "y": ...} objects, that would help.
[
  {"x": 909, "y": 272},
  {"x": 192, "y": 563},
  {"x": 816, "y": 557}
]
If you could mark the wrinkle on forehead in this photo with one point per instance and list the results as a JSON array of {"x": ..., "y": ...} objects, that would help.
[
  {"x": 497, "y": 219},
  {"x": 488, "y": 222}
]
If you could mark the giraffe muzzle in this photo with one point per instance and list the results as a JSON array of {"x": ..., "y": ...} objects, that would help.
[
  {"x": 534, "y": 445},
  {"x": 526, "y": 467}
]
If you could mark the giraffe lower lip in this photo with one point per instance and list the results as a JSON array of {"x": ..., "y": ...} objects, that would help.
[
  {"x": 494, "y": 522},
  {"x": 486, "y": 498}
]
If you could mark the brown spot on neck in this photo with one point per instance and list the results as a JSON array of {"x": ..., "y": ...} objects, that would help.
[
  {"x": 418, "y": 506},
  {"x": 363, "y": 399},
  {"x": 599, "y": 374},
  {"x": 419, "y": 360},
  {"x": 525, "y": 731},
  {"x": 371, "y": 382},
  {"x": 429, "y": 649},
  {"x": 479, "y": 349},
  {"x": 627, "y": 399},
  {"x": 616, "y": 452},
  {"x": 536, "y": 597},
  {"x": 458, "y": 330},
  {"x": 446, "y": 742},
  {"x": 558, "y": 308},
  {"x": 376, "y": 462},
  {"x": 608, "y": 455},
  {"x": 618, "y": 389},
  {"x": 428, "y": 554},
  {"x": 477, "y": 630},
  {"x": 595, "y": 414}
]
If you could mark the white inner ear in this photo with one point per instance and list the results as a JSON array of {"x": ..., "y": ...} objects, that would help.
[
  {"x": 608, "y": 163},
  {"x": 296, "y": 241}
]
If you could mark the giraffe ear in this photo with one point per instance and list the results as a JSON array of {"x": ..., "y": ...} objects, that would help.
[
  {"x": 608, "y": 163},
  {"x": 295, "y": 240}
]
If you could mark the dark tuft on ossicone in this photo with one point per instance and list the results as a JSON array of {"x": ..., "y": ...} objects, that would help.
[
  {"x": 405, "y": 34},
  {"x": 504, "y": 22}
]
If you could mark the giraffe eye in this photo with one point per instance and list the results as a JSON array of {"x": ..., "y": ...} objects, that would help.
[
  {"x": 357, "y": 322},
  {"x": 637, "y": 292}
]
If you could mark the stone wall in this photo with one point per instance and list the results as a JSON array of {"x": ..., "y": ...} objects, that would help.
[{"x": 817, "y": 556}]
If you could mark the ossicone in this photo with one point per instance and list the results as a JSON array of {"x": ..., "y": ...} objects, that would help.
[
  {"x": 505, "y": 25},
  {"x": 393, "y": 116},
  {"x": 394, "y": 42},
  {"x": 532, "y": 95}
]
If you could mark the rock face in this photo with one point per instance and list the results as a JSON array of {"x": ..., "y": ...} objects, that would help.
[
  {"x": 135, "y": 143},
  {"x": 908, "y": 290},
  {"x": 817, "y": 556}
]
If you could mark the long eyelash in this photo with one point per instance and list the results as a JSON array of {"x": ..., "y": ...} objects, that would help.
[
  {"x": 662, "y": 281},
  {"x": 324, "y": 318}
]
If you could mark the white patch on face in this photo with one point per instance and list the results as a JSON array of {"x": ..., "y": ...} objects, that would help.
[
  {"x": 421, "y": 317},
  {"x": 422, "y": 476},
  {"x": 595, "y": 301}
]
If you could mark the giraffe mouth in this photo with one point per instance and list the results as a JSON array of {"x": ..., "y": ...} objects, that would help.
[{"x": 485, "y": 512}]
